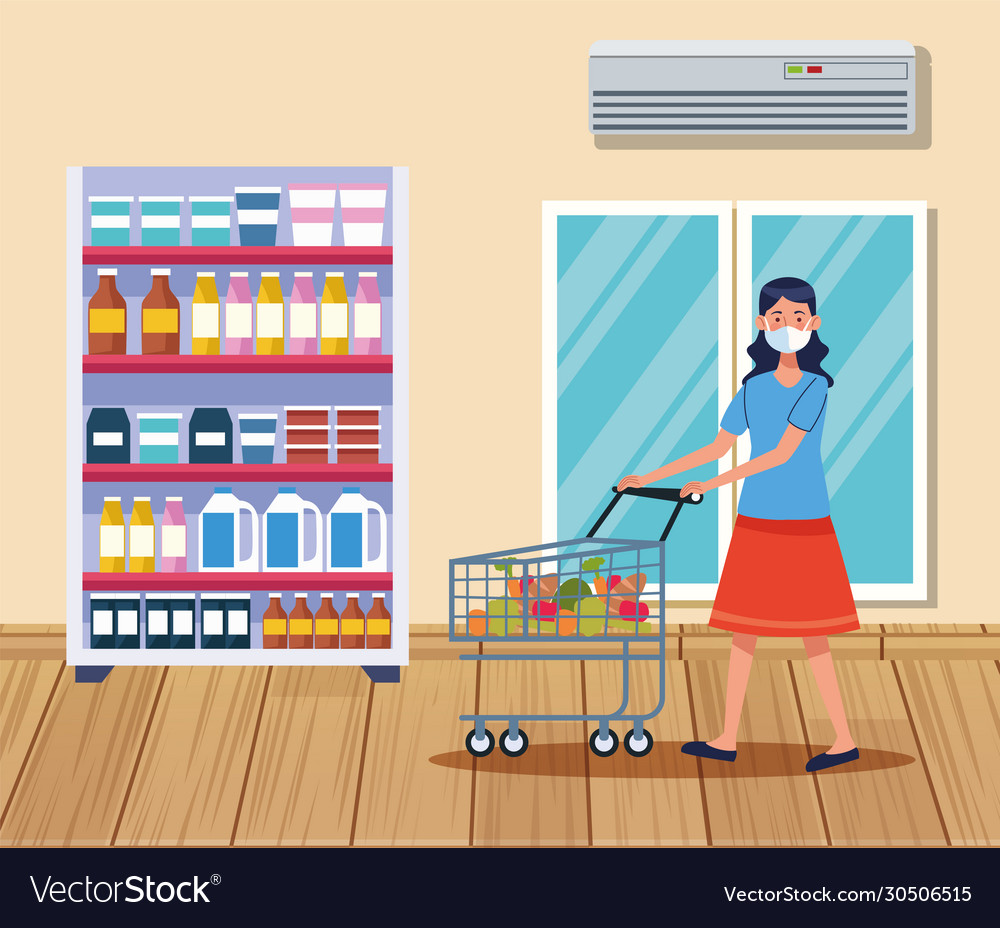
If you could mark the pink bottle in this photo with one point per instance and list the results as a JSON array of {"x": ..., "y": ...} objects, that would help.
[
  {"x": 173, "y": 536},
  {"x": 367, "y": 315},
  {"x": 239, "y": 315},
  {"x": 303, "y": 316}
]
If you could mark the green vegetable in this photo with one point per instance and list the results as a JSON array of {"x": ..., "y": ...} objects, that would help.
[
  {"x": 571, "y": 592},
  {"x": 594, "y": 564},
  {"x": 510, "y": 607},
  {"x": 505, "y": 567}
]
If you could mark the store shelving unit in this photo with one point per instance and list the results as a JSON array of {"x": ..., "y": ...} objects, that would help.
[{"x": 232, "y": 381}]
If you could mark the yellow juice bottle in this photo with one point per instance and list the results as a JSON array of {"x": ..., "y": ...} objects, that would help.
[
  {"x": 112, "y": 548},
  {"x": 333, "y": 327},
  {"x": 270, "y": 315},
  {"x": 141, "y": 538},
  {"x": 205, "y": 315}
]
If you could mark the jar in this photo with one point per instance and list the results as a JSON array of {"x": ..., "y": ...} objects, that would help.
[
  {"x": 107, "y": 314},
  {"x": 275, "y": 624},
  {"x": 161, "y": 316},
  {"x": 352, "y": 624}
]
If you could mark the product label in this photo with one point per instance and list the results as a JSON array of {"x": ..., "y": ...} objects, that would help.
[
  {"x": 300, "y": 627},
  {"x": 239, "y": 320},
  {"x": 210, "y": 438},
  {"x": 270, "y": 320},
  {"x": 211, "y": 622},
  {"x": 140, "y": 541},
  {"x": 102, "y": 622},
  {"x": 157, "y": 319},
  {"x": 353, "y": 626},
  {"x": 238, "y": 622},
  {"x": 204, "y": 320},
  {"x": 128, "y": 622},
  {"x": 378, "y": 626},
  {"x": 174, "y": 541},
  {"x": 112, "y": 541},
  {"x": 302, "y": 320},
  {"x": 156, "y": 622},
  {"x": 334, "y": 321},
  {"x": 275, "y": 627},
  {"x": 107, "y": 439},
  {"x": 106, "y": 321},
  {"x": 367, "y": 320},
  {"x": 327, "y": 626},
  {"x": 183, "y": 622}
]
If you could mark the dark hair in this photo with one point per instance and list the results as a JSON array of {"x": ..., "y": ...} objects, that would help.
[{"x": 765, "y": 358}]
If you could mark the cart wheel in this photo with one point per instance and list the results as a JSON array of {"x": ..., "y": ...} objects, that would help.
[
  {"x": 604, "y": 748},
  {"x": 479, "y": 748},
  {"x": 638, "y": 748},
  {"x": 514, "y": 748}
]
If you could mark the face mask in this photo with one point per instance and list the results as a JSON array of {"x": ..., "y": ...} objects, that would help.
[{"x": 787, "y": 339}]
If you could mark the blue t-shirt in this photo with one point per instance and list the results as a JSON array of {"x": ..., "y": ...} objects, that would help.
[{"x": 797, "y": 488}]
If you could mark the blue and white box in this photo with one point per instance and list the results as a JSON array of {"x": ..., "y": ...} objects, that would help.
[
  {"x": 161, "y": 220},
  {"x": 210, "y": 221},
  {"x": 109, "y": 221},
  {"x": 257, "y": 214}
]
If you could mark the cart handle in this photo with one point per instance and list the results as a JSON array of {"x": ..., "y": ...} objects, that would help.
[{"x": 664, "y": 493}]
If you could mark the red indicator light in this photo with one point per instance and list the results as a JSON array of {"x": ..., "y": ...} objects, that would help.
[{"x": 814, "y": 69}]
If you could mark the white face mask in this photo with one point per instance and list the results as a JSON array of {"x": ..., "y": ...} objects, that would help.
[{"x": 787, "y": 339}]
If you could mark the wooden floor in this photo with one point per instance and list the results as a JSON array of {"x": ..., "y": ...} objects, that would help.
[{"x": 322, "y": 756}]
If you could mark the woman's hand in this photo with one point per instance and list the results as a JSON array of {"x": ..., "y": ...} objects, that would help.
[
  {"x": 632, "y": 480},
  {"x": 697, "y": 487}
]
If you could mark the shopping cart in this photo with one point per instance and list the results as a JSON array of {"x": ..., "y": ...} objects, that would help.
[{"x": 584, "y": 590}]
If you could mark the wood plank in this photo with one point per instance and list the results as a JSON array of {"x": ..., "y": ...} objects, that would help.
[
  {"x": 539, "y": 798},
  {"x": 956, "y": 710},
  {"x": 992, "y": 629},
  {"x": 765, "y": 798},
  {"x": 884, "y": 799},
  {"x": 14, "y": 629},
  {"x": 303, "y": 779},
  {"x": 78, "y": 773},
  {"x": 416, "y": 787},
  {"x": 25, "y": 691},
  {"x": 941, "y": 642},
  {"x": 653, "y": 800},
  {"x": 189, "y": 779}
]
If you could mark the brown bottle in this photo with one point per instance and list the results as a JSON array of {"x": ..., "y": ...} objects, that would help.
[
  {"x": 352, "y": 624},
  {"x": 327, "y": 623},
  {"x": 107, "y": 314},
  {"x": 300, "y": 624},
  {"x": 275, "y": 624},
  {"x": 161, "y": 316},
  {"x": 377, "y": 623}
]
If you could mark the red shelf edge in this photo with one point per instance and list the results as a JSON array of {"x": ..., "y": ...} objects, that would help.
[
  {"x": 238, "y": 254},
  {"x": 237, "y": 364},
  {"x": 236, "y": 473},
  {"x": 333, "y": 581}
]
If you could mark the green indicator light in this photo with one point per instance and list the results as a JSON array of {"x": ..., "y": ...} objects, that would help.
[{"x": 795, "y": 69}]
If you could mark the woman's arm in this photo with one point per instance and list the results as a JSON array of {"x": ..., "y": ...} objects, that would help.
[
  {"x": 773, "y": 458},
  {"x": 723, "y": 442}
]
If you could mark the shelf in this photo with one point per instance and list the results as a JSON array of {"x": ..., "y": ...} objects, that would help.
[
  {"x": 333, "y": 581},
  {"x": 238, "y": 254},
  {"x": 237, "y": 364},
  {"x": 237, "y": 473}
]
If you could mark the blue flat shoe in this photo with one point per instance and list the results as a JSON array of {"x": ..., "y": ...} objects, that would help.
[
  {"x": 823, "y": 761},
  {"x": 701, "y": 749}
]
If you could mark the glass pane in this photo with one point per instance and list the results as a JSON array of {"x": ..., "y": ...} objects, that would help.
[
  {"x": 861, "y": 268},
  {"x": 637, "y": 375}
]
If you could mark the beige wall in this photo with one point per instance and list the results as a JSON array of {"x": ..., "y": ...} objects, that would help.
[{"x": 432, "y": 86}]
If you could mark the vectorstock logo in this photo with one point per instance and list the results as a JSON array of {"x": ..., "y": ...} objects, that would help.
[{"x": 134, "y": 889}]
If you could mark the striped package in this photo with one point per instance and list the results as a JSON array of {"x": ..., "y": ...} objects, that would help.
[
  {"x": 257, "y": 214},
  {"x": 109, "y": 221},
  {"x": 312, "y": 213},
  {"x": 159, "y": 437},
  {"x": 161, "y": 220},
  {"x": 362, "y": 209},
  {"x": 210, "y": 219}
]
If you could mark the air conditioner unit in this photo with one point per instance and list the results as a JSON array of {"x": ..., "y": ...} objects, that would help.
[{"x": 752, "y": 88}]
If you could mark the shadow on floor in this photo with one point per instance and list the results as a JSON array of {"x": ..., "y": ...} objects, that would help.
[{"x": 761, "y": 759}]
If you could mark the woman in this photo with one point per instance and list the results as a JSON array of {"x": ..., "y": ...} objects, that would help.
[{"x": 784, "y": 573}]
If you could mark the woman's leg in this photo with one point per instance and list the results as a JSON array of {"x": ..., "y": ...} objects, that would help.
[
  {"x": 740, "y": 659},
  {"x": 821, "y": 661}
]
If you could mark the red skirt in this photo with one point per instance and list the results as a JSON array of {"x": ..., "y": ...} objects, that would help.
[{"x": 784, "y": 578}]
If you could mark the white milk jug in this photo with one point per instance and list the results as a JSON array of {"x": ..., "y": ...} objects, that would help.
[
  {"x": 219, "y": 533},
  {"x": 285, "y": 530},
  {"x": 347, "y": 533}
]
